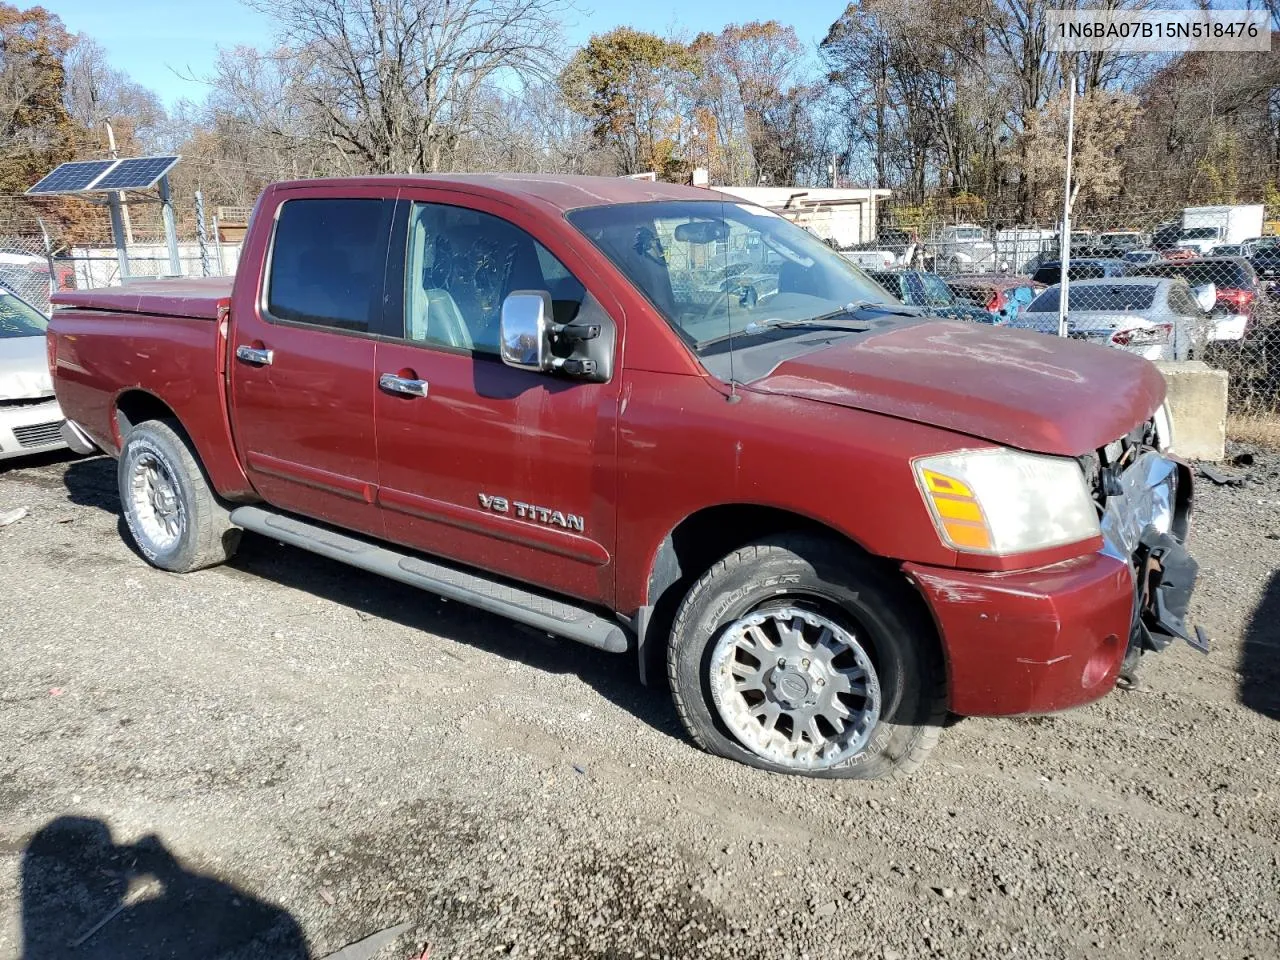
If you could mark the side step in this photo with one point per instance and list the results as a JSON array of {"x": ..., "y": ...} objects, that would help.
[{"x": 532, "y": 609}]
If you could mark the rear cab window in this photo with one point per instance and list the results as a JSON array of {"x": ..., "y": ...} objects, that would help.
[{"x": 328, "y": 262}]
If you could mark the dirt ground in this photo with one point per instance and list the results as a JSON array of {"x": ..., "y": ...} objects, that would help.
[{"x": 281, "y": 756}]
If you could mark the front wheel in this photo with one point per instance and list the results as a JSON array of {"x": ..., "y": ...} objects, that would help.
[
  {"x": 170, "y": 509},
  {"x": 799, "y": 655}
]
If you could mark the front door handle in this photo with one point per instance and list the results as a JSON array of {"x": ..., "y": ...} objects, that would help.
[
  {"x": 392, "y": 383},
  {"x": 260, "y": 356}
]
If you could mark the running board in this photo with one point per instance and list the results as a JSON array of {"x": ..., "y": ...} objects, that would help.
[{"x": 532, "y": 609}]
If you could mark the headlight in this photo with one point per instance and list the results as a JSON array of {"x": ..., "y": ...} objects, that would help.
[{"x": 1005, "y": 501}]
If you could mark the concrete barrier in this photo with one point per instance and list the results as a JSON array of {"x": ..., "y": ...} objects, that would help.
[{"x": 1197, "y": 400}]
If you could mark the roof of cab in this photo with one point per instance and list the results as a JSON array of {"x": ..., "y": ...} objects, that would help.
[{"x": 561, "y": 192}]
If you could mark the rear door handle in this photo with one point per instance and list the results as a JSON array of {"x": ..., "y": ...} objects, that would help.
[
  {"x": 392, "y": 383},
  {"x": 256, "y": 355}
]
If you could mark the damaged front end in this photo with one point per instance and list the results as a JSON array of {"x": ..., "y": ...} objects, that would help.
[{"x": 1145, "y": 495}]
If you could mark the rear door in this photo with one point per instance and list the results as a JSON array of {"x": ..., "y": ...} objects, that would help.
[
  {"x": 510, "y": 470},
  {"x": 302, "y": 355}
]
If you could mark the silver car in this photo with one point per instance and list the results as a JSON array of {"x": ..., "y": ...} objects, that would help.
[
  {"x": 1159, "y": 318},
  {"x": 30, "y": 418}
]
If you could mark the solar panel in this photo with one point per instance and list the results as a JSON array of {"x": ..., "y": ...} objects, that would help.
[
  {"x": 136, "y": 173},
  {"x": 72, "y": 177}
]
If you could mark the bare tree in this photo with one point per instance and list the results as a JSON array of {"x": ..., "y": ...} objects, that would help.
[
  {"x": 396, "y": 82},
  {"x": 96, "y": 92}
]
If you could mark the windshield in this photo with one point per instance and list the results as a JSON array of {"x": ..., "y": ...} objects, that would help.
[
  {"x": 712, "y": 267},
  {"x": 928, "y": 290},
  {"x": 1109, "y": 297},
  {"x": 1199, "y": 233},
  {"x": 18, "y": 319}
]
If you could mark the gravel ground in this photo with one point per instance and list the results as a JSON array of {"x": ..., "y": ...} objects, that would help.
[{"x": 281, "y": 756}]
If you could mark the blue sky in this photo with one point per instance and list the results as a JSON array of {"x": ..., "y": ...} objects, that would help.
[{"x": 157, "y": 41}]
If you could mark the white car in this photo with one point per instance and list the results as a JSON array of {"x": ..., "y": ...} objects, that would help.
[
  {"x": 30, "y": 418},
  {"x": 1155, "y": 317}
]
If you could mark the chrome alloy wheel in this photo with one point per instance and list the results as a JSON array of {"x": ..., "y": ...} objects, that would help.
[
  {"x": 157, "y": 508},
  {"x": 795, "y": 687}
]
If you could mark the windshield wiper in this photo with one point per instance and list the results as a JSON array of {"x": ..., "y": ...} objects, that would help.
[{"x": 852, "y": 316}]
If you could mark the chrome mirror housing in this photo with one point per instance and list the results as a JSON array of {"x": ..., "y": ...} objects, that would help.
[{"x": 526, "y": 330}]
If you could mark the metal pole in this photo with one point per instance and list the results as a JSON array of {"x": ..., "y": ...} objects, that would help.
[
  {"x": 206, "y": 268},
  {"x": 119, "y": 194},
  {"x": 1065, "y": 281},
  {"x": 48, "y": 256},
  {"x": 217, "y": 246},
  {"x": 170, "y": 228},
  {"x": 118, "y": 235}
]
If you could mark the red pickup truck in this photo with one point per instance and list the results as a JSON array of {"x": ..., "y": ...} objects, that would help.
[{"x": 656, "y": 420}]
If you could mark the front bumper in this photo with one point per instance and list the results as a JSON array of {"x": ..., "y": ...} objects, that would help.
[
  {"x": 30, "y": 427},
  {"x": 1036, "y": 641}
]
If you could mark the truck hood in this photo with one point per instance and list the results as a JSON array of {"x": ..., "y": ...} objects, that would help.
[{"x": 1012, "y": 387}]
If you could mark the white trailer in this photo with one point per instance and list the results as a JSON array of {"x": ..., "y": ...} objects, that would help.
[
  {"x": 1205, "y": 228},
  {"x": 1020, "y": 249}
]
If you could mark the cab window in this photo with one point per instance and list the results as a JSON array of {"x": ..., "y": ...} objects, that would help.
[{"x": 328, "y": 261}]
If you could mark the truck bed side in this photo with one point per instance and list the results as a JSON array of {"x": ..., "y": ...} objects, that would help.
[{"x": 103, "y": 359}]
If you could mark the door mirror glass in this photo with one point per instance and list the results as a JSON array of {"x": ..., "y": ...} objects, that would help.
[
  {"x": 526, "y": 330},
  {"x": 1206, "y": 296}
]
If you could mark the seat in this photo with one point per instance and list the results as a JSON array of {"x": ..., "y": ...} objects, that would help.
[{"x": 441, "y": 322}]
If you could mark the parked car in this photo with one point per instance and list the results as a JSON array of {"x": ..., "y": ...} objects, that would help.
[
  {"x": 30, "y": 418},
  {"x": 1265, "y": 260},
  {"x": 1156, "y": 318},
  {"x": 962, "y": 247},
  {"x": 487, "y": 387},
  {"x": 1085, "y": 268},
  {"x": 1116, "y": 243},
  {"x": 1165, "y": 236},
  {"x": 920, "y": 288},
  {"x": 1233, "y": 279},
  {"x": 1141, "y": 256},
  {"x": 1002, "y": 296}
]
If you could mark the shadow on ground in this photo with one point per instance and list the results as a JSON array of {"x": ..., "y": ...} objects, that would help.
[
  {"x": 92, "y": 483},
  {"x": 1260, "y": 655},
  {"x": 85, "y": 896}
]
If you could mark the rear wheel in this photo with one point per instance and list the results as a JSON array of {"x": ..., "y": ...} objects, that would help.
[
  {"x": 170, "y": 509},
  {"x": 799, "y": 655}
]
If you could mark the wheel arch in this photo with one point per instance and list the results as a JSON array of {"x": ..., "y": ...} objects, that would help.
[
  {"x": 135, "y": 406},
  {"x": 210, "y": 439},
  {"x": 694, "y": 544}
]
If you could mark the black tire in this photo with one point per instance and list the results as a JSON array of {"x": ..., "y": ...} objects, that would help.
[
  {"x": 205, "y": 534},
  {"x": 851, "y": 589}
]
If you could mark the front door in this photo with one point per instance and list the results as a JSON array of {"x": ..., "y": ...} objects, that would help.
[
  {"x": 302, "y": 359},
  {"x": 505, "y": 469}
]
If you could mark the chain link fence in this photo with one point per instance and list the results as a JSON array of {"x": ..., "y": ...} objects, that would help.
[
  {"x": 1199, "y": 283},
  {"x": 41, "y": 255}
]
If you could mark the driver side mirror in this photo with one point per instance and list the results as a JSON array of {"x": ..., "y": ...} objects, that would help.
[
  {"x": 525, "y": 331},
  {"x": 1206, "y": 296}
]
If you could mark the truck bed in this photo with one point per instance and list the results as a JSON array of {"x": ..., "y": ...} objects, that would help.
[
  {"x": 144, "y": 345},
  {"x": 196, "y": 297}
]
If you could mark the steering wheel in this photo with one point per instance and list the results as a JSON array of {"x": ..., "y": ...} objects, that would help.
[{"x": 747, "y": 297}]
